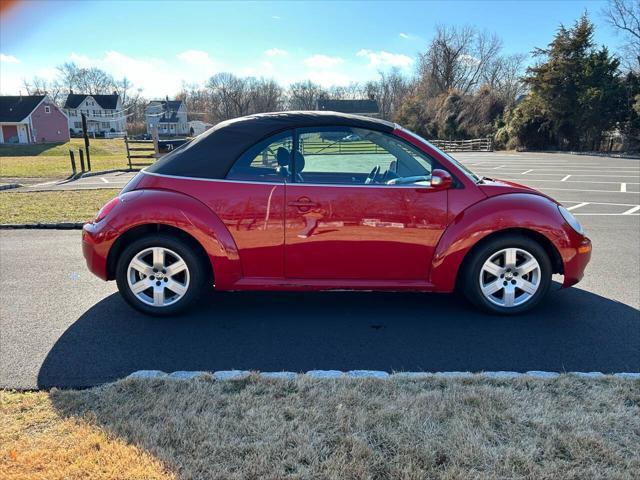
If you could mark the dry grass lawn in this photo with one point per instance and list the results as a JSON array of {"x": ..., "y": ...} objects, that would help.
[
  {"x": 37, "y": 443},
  {"x": 472, "y": 428},
  {"x": 60, "y": 206},
  {"x": 52, "y": 160}
]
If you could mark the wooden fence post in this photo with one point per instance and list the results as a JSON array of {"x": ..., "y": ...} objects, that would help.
[
  {"x": 126, "y": 143},
  {"x": 73, "y": 163},
  {"x": 154, "y": 136},
  {"x": 86, "y": 140},
  {"x": 81, "y": 160}
]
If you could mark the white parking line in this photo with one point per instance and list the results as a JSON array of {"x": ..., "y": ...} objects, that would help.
[
  {"x": 632, "y": 210},
  {"x": 601, "y": 203},
  {"x": 104, "y": 180},
  {"x": 42, "y": 184},
  {"x": 566, "y": 178},
  {"x": 573, "y": 207},
  {"x": 581, "y": 190},
  {"x": 607, "y": 214},
  {"x": 524, "y": 173},
  {"x": 623, "y": 187},
  {"x": 563, "y": 180}
]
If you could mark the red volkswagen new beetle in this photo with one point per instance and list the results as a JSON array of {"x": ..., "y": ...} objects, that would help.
[{"x": 323, "y": 200}]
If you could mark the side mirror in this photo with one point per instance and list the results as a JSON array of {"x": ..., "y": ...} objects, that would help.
[{"x": 441, "y": 179}]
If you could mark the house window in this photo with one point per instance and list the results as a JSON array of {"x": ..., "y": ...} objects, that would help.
[
  {"x": 77, "y": 124},
  {"x": 47, "y": 109},
  {"x": 105, "y": 124}
]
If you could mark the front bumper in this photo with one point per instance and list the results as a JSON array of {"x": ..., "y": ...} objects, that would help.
[
  {"x": 575, "y": 261},
  {"x": 97, "y": 239}
]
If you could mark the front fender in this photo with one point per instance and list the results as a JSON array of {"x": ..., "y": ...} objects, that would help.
[
  {"x": 143, "y": 207},
  {"x": 502, "y": 212}
]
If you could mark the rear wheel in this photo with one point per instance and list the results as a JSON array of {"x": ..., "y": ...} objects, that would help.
[
  {"x": 507, "y": 275},
  {"x": 160, "y": 274}
]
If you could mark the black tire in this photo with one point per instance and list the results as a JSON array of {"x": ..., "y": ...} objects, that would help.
[
  {"x": 196, "y": 267},
  {"x": 470, "y": 283}
]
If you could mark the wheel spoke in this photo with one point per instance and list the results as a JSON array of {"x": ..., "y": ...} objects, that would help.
[
  {"x": 492, "y": 268},
  {"x": 492, "y": 287},
  {"x": 140, "y": 286},
  {"x": 176, "y": 267},
  {"x": 527, "y": 286},
  {"x": 509, "y": 296},
  {"x": 141, "y": 267},
  {"x": 527, "y": 266},
  {"x": 176, "y": 287},
  {"x": 158, "y": 296},
  {"x": 158, "y": 257},
  {"x": 510, "y": 257}
]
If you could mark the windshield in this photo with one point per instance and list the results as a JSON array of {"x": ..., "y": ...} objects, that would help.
[{"x": 475, "y": 178}]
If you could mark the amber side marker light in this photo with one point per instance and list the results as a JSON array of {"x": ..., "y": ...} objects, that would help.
[{"x": 584, "y": 249}]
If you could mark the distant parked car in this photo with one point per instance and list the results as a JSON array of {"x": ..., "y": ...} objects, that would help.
[{"x": 246, "y": 206}]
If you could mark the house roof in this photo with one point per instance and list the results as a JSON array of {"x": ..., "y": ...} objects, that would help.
[
  {"x": 212, "y": 154},
  {"x": 108, "y": 102},
  {"x": 349, "y": 106},
  {"x": 172, "y": 119},
  {"x": 15, "y": 108},
  {"x": 170, "y": 105}
]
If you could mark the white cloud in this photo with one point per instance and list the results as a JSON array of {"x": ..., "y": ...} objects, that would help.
[
  {"x": 8, "y": 58},
  {"x": 80, "y": 60},
  {"x": 383, "y": 58},
  {"x": 322, "y": 61},
  {"x": 196, "y": 57},
  {"x": 328, "y": 78},
  {"x": 275, "y": 17},
  {"x": 275, "y": 52},
  {"x": 404, "y": 35}
]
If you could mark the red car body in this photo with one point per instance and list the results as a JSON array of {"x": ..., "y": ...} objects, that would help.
[{"x": 257, "y": 236}]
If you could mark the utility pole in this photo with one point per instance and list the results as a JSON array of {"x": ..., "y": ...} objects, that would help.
[{"x": 86, "y": 140}]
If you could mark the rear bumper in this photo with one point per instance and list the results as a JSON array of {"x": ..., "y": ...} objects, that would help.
[
  {"x": 97, "y": 239},
  {"x": 575, "y": 261}
]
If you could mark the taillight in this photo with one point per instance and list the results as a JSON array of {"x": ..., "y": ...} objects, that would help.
[{"x": 104, "y": 211}]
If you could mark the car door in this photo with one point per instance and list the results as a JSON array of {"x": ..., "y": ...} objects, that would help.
[
  {"x": 251, "y": 204},
  {"x": 348, "y": 215}
]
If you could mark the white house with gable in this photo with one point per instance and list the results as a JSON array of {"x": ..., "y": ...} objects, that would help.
[{"x": 104, "y": 113}]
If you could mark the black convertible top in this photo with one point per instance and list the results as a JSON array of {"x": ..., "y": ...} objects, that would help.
[{"x": 212, "y": 154}]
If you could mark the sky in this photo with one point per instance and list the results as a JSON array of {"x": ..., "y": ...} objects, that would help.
[{"x": 160, "y": 45}]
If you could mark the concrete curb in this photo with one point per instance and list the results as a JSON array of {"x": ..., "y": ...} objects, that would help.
[
  {"x": 48, "y": 226},
  {"x": 378, "y": 374},
  {"x": 10, "y": 186},
  {"x": 105, "y": 172}
]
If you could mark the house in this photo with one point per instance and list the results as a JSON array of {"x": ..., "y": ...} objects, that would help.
[
  {"x": 104, "y": 113},
  {"x": 168, "y": 116},
  {"x": 367, "y": 108},
  {"x": 196, "y": 127},
  {"x": 31, "y": 119}
]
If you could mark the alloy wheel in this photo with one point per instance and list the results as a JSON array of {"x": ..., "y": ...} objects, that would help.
[
  {"x": 510, "y": 277},
  {"x": 158, "y": 276}
]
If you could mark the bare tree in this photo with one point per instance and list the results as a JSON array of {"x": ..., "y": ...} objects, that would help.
[
  {"x": 457, "y": 59},
  {"x": 304, "y": 95},
  {"x": 624, "y": 16},
  {"x": 503, "y": 75},
  {"x": 93, "y": 80},
  {"x": 42, "y": 86},
  {"x": 266, "y": 95},
  {"x": 389, "y": 91}
]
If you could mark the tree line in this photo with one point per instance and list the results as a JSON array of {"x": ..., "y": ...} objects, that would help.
[{"x": 574, "y": 95}]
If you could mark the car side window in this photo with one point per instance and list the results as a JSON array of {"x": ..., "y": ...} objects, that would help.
[
  {"x": 354, "y": 156},
  {"x": 267, "y": 161}
]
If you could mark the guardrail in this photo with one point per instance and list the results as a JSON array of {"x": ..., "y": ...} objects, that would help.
[{"x": 472, "y": 145}]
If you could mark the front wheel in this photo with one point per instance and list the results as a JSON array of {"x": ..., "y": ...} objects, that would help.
[
  {"x": 508, "y": 275},
  {"x": 160, "y": 275}
]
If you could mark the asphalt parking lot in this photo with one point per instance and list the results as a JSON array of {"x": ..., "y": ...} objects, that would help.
[{"x": 61, "y": 326}]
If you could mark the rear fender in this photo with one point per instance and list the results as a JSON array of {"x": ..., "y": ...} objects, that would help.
[
  {"x": 144, "y": 207},
  {"x": 503, "y": 212}
]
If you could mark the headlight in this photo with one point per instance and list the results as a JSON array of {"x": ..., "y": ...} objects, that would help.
[{"x": 571, "y": 220}]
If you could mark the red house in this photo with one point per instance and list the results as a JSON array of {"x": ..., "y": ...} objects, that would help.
[{"x": 32, "y": 119}]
